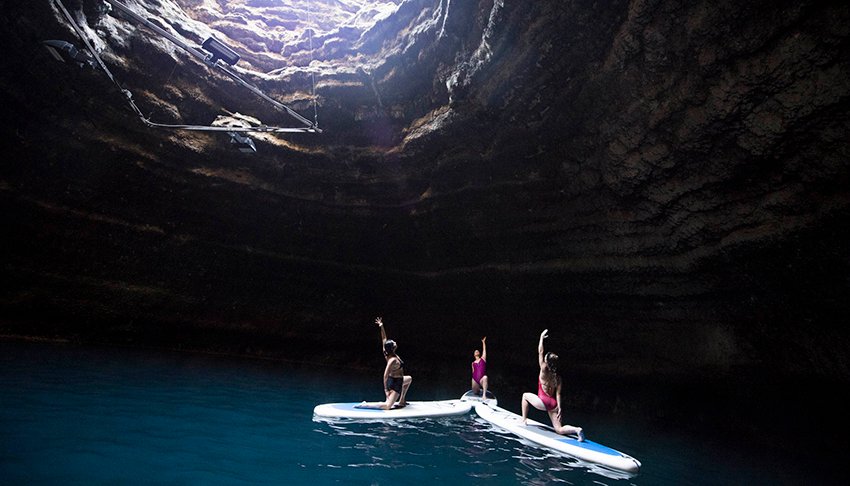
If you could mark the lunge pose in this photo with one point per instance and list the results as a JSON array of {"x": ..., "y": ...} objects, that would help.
[
  {"x": 395, "y": 381},
  {"x": 479, "y": 369},
  {"x": 548, "y": 397}
]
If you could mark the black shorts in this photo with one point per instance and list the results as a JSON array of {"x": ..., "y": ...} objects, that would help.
[{"x": 394, "y": 384}]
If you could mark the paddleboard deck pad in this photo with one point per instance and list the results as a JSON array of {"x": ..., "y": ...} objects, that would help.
[
  {"x": 545, "y": 436},
  {"x": 471, "y": 396},
  {"x": 441, "y": 408}
]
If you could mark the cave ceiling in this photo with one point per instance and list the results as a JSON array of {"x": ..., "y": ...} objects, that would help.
[{"x": 646, "y": 149}]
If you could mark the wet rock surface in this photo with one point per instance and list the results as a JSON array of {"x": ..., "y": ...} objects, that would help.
[{"x": 662, "y": 184}]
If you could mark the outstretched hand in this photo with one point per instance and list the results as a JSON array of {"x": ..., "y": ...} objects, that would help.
[
  {"x": 544, "y": 334},
  {"x": 379, "y": 322},
  {"x": 484, "y": 339}
]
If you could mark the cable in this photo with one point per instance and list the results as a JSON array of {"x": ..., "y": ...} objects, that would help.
[
  {"x": 100, "y": 62},
  {"x": 206, "y": 59},
  {"x": 311, "y": 127},
  {"x": 310, "y": 66}
]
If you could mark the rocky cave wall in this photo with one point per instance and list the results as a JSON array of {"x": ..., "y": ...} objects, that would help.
[{"x": 663, "y": 184}]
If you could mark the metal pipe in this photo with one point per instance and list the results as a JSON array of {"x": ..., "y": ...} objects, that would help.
[
  {"x": 205, "y": 58},
  {"x": 159, "y": 30}
]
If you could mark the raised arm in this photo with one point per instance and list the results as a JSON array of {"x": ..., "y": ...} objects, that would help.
[
  {"x": 380, "y": 324},
  {"x": 484, "y": 348},
  {"x": 543, "y": 335}
]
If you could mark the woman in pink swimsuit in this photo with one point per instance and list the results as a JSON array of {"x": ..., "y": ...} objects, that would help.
[
  {"x": 479, "y": 370},
  {"x": 548, "y": 396}
]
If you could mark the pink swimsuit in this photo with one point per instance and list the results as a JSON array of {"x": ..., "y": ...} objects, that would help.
[
  {"x": 479, "y": 370},
  {"x": 548, "y": 402}
]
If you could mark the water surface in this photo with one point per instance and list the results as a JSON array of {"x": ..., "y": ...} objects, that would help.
[{"x": 74, "y": 415}]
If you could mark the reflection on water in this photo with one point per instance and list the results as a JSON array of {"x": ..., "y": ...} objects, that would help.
[
  {"x": 84, "y": 415},
  {"x": 459, "y": 446},
  {"x": 546, "y": 462}
]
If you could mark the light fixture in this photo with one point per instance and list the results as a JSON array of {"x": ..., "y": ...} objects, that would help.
[
  {"x": 219, "y": 50},
  {"x": 68, "y": 53},
  {"x": 242, "y": 143}
]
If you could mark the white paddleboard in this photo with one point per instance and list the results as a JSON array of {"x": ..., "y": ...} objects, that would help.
[
  {"x": 441, "y": 408},
  {"x": 544, "y": 435},
  {"x": 471, "y": 396}
]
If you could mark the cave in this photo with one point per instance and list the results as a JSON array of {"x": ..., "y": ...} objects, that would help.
[{"x": 661, "y": 184}]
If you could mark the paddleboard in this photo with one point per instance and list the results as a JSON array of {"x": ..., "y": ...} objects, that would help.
[
  {"x": 545, "y": 436},
  {"x": 471, "y": 396},
  {"x": 441, "y": 408}
]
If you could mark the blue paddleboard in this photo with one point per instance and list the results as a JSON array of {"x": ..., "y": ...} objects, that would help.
[{"x": 545, "y": 436}]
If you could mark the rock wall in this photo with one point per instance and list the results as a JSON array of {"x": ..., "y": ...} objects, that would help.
[{"x": 662, "y": 184}]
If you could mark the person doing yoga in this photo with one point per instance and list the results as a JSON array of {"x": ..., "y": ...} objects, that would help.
[
  {"x": 479, "y": 370},
  {"x": 395, "y": 381},
  {"x": 548, "y": 397}
]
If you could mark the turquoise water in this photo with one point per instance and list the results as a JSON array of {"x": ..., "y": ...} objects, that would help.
[{"x": 71, "y": 415}]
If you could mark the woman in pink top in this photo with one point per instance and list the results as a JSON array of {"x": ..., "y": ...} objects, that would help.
[
  {"x": 548, "y": 396},
  {"x": 479, "y": 370}
]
